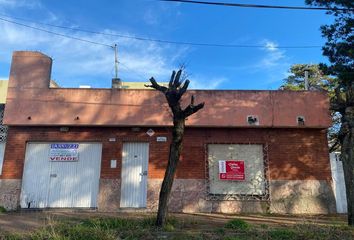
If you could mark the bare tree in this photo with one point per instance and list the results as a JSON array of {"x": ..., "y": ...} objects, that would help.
[{"x": 173, "y": 93}]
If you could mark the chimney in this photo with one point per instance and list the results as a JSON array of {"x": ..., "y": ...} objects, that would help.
[
  {"x": 30, "y": 70},
  {"x": 116, "y": 83}
]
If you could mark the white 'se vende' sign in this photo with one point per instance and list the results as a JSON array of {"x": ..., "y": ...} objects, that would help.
[{"x": 64, "y": 152}]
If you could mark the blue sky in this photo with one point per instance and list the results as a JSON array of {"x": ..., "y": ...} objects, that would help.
[{"x": 78, "y": 63}]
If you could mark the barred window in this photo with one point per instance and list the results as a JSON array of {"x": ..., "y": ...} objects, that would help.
[
  {"x": 3, "y": 135},
  {"x": 236, "y": 169}
]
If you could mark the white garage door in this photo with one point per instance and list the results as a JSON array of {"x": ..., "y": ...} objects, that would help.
[{"x": 61, "y": 175}]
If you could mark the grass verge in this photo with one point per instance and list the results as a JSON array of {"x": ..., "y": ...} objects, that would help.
[{"x": 109, "y": 228}]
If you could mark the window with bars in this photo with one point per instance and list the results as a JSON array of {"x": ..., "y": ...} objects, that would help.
[
  {"x": 3, "y": 136},
  {"x": 245, "y": 176}
]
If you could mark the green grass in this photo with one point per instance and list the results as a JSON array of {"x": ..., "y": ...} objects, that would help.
[
  {"x": 282, "y": 234},
  {"x": 237, "y": 224},
  {"x": 107, "y": 228}
]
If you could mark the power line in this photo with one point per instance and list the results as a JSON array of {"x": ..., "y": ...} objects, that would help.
[
  {"x": 74, "y": 38},
  {"x": 128, "y": 68},
  {"x": 260, "y": 6},
  {"x": 55, "y": 33},
  {"x": 146, "y": 39}
]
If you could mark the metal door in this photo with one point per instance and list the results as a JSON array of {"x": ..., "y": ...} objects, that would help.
[
  {"x": 135, "y": 158},
  {"x": 35, "y": 180},
  {"x": 60, "y": 184}
]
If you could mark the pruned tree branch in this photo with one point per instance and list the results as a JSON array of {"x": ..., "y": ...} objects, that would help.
[
  {"x": 156, "y": 86},
  {"x": 172, "y": 79},
  {"x": 191, "y": 109},
  {"x": 184, "y": 88},
  {"x": 174, "y": 93},
  {"x": 177, "y": 82}
]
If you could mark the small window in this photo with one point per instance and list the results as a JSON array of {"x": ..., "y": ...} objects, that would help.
[
  {"x": 300, "y": 120},
  {"x": 252, "y": 120},
  {"x": 236, "y": 169}
]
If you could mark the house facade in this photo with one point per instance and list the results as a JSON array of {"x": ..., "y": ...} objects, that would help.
[{"x": 246, "y": 151}]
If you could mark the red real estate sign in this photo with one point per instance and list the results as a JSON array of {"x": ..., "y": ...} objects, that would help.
[{"x": 232, "y": 170}]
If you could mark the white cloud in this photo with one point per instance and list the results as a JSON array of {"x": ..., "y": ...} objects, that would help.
[
  {"x": 200, "y": 82},
  {"x": 74, "y": 59},
  {"x": 269, "y": 59},
  {"x": 31, "y": 4},
  {"x": 76, "y": 62},
  {"x": 274, "y": 56},
  {"x": 271, "y": 46}
]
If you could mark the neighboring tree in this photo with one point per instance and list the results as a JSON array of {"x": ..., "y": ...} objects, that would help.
[
  {"x": 317, "y": 81},
  {"x": 173, "y": 93},
  {"x": 339, "y": 48}
]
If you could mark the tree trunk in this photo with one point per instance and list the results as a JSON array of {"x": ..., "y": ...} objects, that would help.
[
  {"x": 347, "y": 157},
  {"x": 175, "y": 152},
  {"x": 173, "y": 94}
]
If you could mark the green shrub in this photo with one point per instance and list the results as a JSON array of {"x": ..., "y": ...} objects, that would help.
[
  {"x": 281, "y": 234},
  {"x": 10, "y": 236},
  {"x": 220, "y": 231},
  {"x": 2, "y": 209},
  {"x": 168, "y": 227},
  {"x": 108, "y": 223},
  {"x": 237, "y": 224}
]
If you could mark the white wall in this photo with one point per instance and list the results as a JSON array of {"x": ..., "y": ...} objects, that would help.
[{"x": 338, "y": 183}]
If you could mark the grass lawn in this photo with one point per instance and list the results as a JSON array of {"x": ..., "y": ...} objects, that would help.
[{"x": 108, "y": 227}]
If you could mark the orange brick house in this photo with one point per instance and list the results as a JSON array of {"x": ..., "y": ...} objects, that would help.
[{"x": 108, "y": 148}]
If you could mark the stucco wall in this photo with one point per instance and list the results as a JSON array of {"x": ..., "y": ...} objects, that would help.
[
  {"x": 30, "y": 102},
  {"x": 189, "y": 196},
  {"x": 109, "y": 195},
  {"x": 294, "y": 197},
  {"x": 10, "y": 190}
]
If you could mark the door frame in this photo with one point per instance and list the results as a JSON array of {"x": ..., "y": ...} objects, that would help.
[{"x": 143, "y": 203}]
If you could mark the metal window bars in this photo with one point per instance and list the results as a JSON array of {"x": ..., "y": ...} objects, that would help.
[
  {"x": 3, "y": 128},
  {"x": 265, "y": 196}
]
